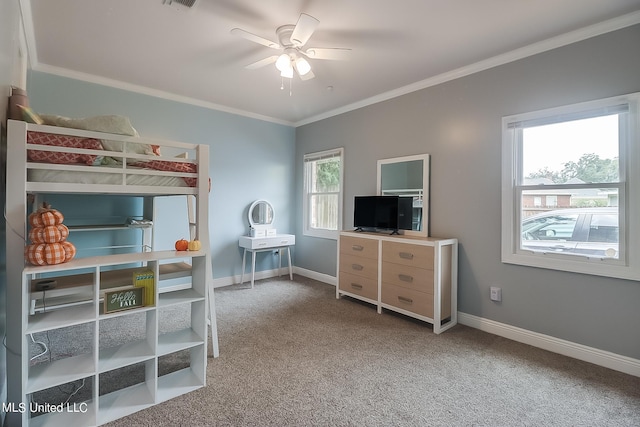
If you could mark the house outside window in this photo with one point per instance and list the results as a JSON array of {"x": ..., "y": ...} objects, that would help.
[
  {"x": 571, "y": 188},
  {"x": 322, "y": 210}
]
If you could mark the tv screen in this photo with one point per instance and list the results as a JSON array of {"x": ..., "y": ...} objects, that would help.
[{"x": 383, "y": 212}]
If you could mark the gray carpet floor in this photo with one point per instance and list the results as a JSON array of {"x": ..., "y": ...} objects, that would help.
[{"x": 291, "y": 354}]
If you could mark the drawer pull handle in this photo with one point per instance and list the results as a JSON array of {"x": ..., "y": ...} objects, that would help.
[
  {"x": 357, "y": 267},
  {"x": 356, "y": 286},
  {"x": 405, "y": 300},
  {"x": 405, "y": 277},
  {"x": 406, "y": 255},
  {"x": 357, "y": 248}
]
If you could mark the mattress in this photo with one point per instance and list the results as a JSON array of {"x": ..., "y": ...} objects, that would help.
[{"x": 79, "y": 177}]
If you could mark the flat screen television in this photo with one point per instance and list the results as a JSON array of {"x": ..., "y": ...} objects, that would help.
[{"x": 382, "y": 212}]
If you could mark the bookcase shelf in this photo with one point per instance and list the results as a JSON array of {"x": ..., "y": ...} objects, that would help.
[{"x": 101, "y": 362}]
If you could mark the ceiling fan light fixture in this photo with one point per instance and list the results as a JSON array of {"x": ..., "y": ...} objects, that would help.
[
  {"x": 288, "y": 73},
  {"x": 283, "y": 63},
  {"x": 302, "y": 65}
]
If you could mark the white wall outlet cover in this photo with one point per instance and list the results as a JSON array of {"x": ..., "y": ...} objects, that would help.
[{"x": 496, "y": 293}]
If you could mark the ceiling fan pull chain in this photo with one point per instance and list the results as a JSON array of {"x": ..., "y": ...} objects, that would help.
[{"x": 290, "y": 87}]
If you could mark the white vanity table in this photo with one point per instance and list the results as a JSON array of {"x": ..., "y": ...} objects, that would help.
[
  {"x": 262, "y": 244},
  {"x": 263, "y": 238}
]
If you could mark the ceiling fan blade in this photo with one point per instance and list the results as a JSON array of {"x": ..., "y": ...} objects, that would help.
[
  {"x": 333, "y": 53},
  {"x": 262, "y": 63},
  {"x": 307, "y": 76},
  {"x": 304, "y": 28},
  {"x": 254, "y": 38}
]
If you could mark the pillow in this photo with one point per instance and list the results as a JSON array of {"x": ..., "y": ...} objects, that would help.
[
  {"x": 42, "y": 138},
  {"x": 111, "y": 124}
]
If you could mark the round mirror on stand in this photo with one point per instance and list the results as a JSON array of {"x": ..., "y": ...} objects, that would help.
[{"x": 261, "y": 216}]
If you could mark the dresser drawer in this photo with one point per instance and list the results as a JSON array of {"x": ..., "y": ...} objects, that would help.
[
  {"x": 363, "y": 286},
  {"x": 364, "y": 267},
  {"x": 367, "y": 248},
  {"x": 406, "y": 276},
  {"x": 408, "y": 254},
  {"x": 408, "y": 299}
]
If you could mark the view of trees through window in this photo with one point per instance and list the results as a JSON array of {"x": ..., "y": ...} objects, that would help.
[
  {"x": 322, "y": 192},
  {"x": 589, "y": 168}
]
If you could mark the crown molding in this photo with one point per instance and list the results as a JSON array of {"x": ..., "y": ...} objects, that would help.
[
  {"x": 514, "y": 55},
  {"x": 90, "y": 78}
]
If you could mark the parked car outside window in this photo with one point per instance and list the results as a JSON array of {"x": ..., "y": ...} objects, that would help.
[{"x": 591, "y": 232}]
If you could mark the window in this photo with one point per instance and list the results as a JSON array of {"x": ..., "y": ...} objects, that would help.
[
  {"x": 323, "y": 193},
  {"x": 571, "y": 188}
]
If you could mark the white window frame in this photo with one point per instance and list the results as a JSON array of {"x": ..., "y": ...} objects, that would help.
[
  {"x": 628, "y": 265},
  {"x": 307, "y": 229}
]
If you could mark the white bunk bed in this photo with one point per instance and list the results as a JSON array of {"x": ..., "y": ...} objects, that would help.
[{"x": 121, "y": 171}]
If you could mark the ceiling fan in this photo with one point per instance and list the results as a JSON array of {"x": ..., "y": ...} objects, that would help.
[{"x": 291, "y": 41}]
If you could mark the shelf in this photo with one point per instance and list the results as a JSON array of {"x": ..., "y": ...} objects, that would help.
[
  {"x": 67, "y": 418},
  {"x": 76, "y": 300},
  {"x": 176, "y": 341},
  {"x": 78, "y": 288},
  {"x": 108, "y": 227},
  {"x": 119, "y": 313},
  {"x": 124, "y": 402},
  {"x": 124, "y": 355},
  {"x": 46, "y": 375},
  {"x": 60, "y": 318},
  {"x": 176, "y": 384},
  {"x": 183, "y": 296},
  {"x": 175, "y": 270},
  {"x": 105, "y": 260}
]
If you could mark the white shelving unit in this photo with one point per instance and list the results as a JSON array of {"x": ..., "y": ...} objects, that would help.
[{"x": 99, "y": 360}]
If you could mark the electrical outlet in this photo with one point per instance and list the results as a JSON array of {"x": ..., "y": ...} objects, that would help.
[{"x": 496, "y": 293}]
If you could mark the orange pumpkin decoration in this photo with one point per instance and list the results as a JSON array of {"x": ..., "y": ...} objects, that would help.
[
  {"x": 45, "y": 215},
  {"x": 48, "y": 238},
  {"x": 50, "y": 253},
  {"x": 182, "y": 245},
  {"x": 49, "y": 234}
]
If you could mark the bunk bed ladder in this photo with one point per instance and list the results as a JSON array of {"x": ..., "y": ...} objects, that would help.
[{"x": 211, "y": 317}]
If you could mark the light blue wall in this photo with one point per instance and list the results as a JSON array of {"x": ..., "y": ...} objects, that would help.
[{"x": 250, "y": 159}]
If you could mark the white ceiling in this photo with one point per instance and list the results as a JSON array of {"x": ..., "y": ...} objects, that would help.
[{"x": 190, "y": 55}]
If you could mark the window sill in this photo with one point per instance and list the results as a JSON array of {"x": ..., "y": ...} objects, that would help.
[{"x": 598, "y": 267}]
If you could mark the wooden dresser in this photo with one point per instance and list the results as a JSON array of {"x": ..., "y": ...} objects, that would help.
[{"x": 415, "y": 276}]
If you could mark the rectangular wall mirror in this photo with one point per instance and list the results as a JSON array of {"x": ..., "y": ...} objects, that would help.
[{"x": 408, "y": 177}]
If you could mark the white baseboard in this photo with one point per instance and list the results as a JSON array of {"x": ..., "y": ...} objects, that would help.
[
  {"x": 320, "y": 277},
  {"x": 232, "y": 280},
  {"x": 267, "y": 274},
  {"x": 596, "y": 356}
]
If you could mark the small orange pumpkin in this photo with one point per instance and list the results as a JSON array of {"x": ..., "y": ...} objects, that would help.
[
  {"x": 45, "y": 215},
  {"x": 182, "y": 245}
]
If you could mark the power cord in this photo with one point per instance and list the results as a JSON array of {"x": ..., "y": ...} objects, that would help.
[{"x": 45, "y": 349}]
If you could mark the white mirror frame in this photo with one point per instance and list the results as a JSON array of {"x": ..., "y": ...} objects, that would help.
[
  {"x": 424, "y": 232},
  {"x": 261, "y": 226}
]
